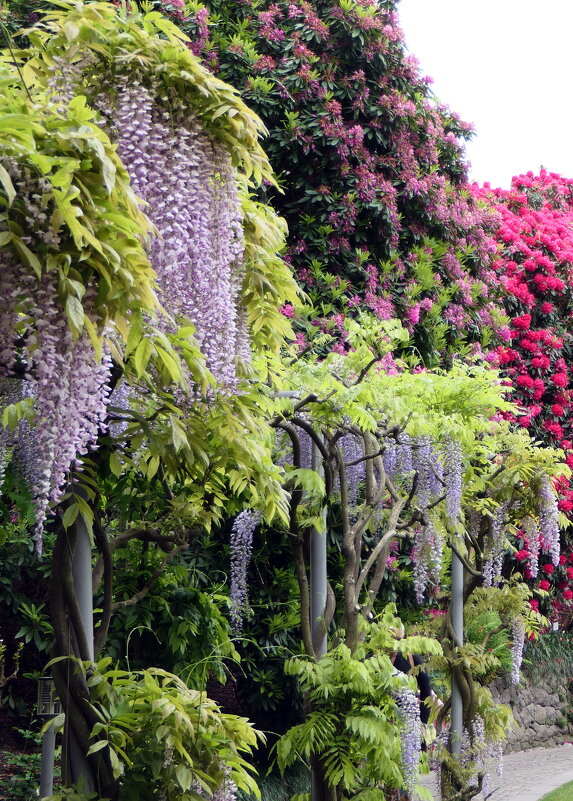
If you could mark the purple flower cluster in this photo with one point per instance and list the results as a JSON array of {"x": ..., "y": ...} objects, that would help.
[
  {"x": 70, "y": 391},
  {"x": 119, "y": 398},
  {"x": 390, "y": 458},
  {"x": 426, "y": 555},
  {"x": 189, "y": 183},
  {"x": 241, "y": 550},
  {"x": 531, "y": 532},
  {"x": 482, "y": 753},
  {"x": 494, "y": 562},
  {"x": 518, "y": 638},
  {"x": 549, "y": 520},
  {"x": 404, "y": 455},
  {"x": 453, "y": 475},
  {"x": 426, "y": 463},
  {"x": 411, "y": 734},
  {"x": 351, "y": 447},
  {"x": 62, "y": 374}
]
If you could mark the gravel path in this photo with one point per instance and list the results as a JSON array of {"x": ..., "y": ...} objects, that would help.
[{"x": 527, "y": 775}]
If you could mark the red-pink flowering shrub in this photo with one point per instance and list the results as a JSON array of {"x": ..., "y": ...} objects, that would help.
[{"x": 535, "y": 266}]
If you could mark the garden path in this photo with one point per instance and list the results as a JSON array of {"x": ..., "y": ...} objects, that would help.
[{"x": 527, "y": 775}]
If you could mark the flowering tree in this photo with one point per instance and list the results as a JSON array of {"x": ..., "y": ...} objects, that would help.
[
  {"x": 405, "y": 457},
  {"x": 371, "y": 168}
]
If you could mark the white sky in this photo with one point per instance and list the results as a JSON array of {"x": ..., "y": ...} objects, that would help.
[{"x": 507, "y": 67}]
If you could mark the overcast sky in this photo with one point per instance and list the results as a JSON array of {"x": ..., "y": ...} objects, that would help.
[{"x": 507, "y": 67}]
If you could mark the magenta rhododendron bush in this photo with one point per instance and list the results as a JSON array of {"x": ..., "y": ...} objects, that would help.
[{"x": 535, "y": 269}]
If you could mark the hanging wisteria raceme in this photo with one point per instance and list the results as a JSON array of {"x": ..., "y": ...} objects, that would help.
[
  {"x": 427, "y": 555},
  {"x": 390, "y": 458},
  {"x": 411, "y": 735},
  {"x": 351, "y": 448},
  {"x": 189, "y": 183},
  {"x": 70, "y": 390},
  {"x": 426, "y": 462},
  {"x": 404, "y": 455},
  {"x": 492, "y": 759},
  {"x": 549, "y": 520},
  {"x": 518, "y": 639},
  {"x": 62, "y": 375},
  {"x": 532, "y": 535},
  {"x": 241, "y": 550},
  {"x": 481, "y": 753},
  {"x": 64, "y": 77},
  {"x": 453, "y": 476},
  {"x": 494, "y": 562},
  {"x": 119, "y": 399}
]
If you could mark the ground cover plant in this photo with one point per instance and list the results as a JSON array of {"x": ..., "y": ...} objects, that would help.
[{"x": 561, "y": 794}]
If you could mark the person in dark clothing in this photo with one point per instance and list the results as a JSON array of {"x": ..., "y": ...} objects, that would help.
[{"x": 404, "y": 664}]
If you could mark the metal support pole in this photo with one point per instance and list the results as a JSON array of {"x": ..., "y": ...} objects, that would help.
[
  {"x": 82, "y": 575},
  {"x": 82, "y": 572},
  {"x": 457, "y": 727},
  {"x": 47, "y": 763},
  {"x": 318, "y": 576},
  {"x": 318, "y": 595}
]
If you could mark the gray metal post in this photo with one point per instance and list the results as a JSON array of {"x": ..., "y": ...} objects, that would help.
[
  {"x": 82, "y": 574},
  {"x": 318, "y": 576},
  {"x": 318, "y": 595},
  {"x": 456, "y": 731},
  {"x": 82, "y": 571},
  {"x": 47, "y": 763}
]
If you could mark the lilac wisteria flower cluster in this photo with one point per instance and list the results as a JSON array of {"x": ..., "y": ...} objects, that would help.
[
  {"x": 549, "y": 520},
  {"x": 241, "y": 550},
  {"x": 189, "y": 184},
  {"x": 517, "y": 642},
  {"x": 427, "y": 555},
  {"x": 481, "y": 753},
  {"x": 411, "y": 734},
  {"x": 497, "y": 542},
  {"x": 66, "y": 380}
]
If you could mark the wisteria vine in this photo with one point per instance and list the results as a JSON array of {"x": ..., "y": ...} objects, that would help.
[
  {"x": 241, "y": 550},
  {"x": 189, "y": 183}
]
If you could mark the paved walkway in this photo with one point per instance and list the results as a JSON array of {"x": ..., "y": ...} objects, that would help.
[{"x": 527, "y": 775}]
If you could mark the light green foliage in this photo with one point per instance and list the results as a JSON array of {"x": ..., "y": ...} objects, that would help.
[
  {"x": 89, "y": 206},
  {"x": 354, "y": 723},
  {"x": 217, "y": 457},
  {"x": 107, "y": 40},
  {"x": 147, "y": 42},
  {"x": 162, "y": 735},
  {"x": 267, "y": 283},
  {"x": 488, "y": 635}
]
